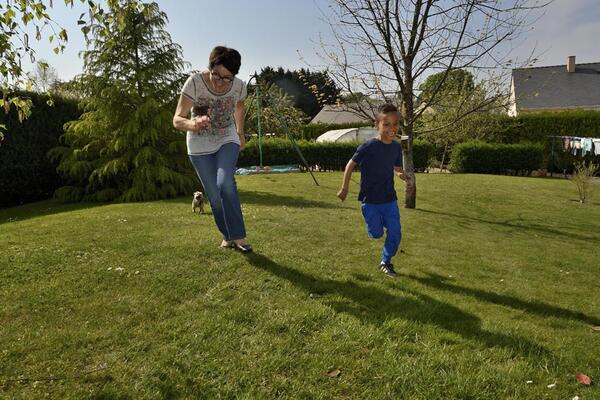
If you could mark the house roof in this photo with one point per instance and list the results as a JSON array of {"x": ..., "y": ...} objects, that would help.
[
  {"x": 337, "y": 114},
  {"x": 547, "y": 88}
]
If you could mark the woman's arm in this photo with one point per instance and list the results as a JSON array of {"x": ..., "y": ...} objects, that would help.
[
  {"x": 239, "y": 113},
  {"x": 182, "y": 122}
]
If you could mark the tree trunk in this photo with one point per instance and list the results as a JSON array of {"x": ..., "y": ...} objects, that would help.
[
  {"x": 407, "y": 114},
  {"x": 410, "y": 191}
]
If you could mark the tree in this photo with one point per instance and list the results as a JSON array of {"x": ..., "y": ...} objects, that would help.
[
  {"x": 124, "y": 147},
  {"x": 384, "y": 48},
  {"x": 71, "y": 89},
  {"x": 15, "y": 45},
  {"x": 461, "y": 110},
  {"x": 456, "y": 83},
  {"x": 310, "y": 91},
  {"x": 43, "y": 77},
  {"x": 277, "y": 111}
]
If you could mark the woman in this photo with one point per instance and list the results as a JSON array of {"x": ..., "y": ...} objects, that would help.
[{"x": 215, "y": 135}]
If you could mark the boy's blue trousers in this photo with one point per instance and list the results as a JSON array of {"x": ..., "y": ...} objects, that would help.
[{"x": 385, "y": 215}]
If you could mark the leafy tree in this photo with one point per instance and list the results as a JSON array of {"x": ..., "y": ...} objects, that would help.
[
  {"x": 43, "y": 77},
  {"x": 15, "y": 45},
  {"x": 459, "y": 111},
  {"x": 124, "y": 147},
  {"x": 277, "y": 111},
  {"x": 310, "y": 91},
  {"x": 71, "y": 89},
  {"x": 456, "y": 83}
]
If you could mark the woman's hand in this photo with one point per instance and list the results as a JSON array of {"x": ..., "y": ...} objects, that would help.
[
  {"x": 242, "y": 140},
  {"x": 199, "y": 123}
]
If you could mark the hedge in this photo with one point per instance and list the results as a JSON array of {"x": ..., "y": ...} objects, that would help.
[
  {"x": 497, "y": 158},
  {"x": 327, "y": 156},
  {"x": 539, "y": 126},
  {"x": 26, "y": 173}
]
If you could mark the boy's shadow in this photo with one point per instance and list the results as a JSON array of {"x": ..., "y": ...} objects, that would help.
[
  {"x": 532, "y": 307},
  {"x": 375, "y": 306}
]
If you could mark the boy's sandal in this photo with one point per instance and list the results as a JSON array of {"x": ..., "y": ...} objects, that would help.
[
  {"x": 227, "y": 245},
  {"x": 244, "y": 248}
]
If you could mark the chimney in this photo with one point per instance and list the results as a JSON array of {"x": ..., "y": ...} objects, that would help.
[{"x": 571, "y": 64}]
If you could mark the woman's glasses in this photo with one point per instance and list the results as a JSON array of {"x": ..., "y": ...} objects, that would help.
[{"x": 219, "y": 78}]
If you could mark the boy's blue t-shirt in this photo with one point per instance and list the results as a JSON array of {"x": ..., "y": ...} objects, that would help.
[{"x": 377, "y": 161}]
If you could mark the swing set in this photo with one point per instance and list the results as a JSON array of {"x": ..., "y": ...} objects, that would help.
[{"x": 260, "y": 168}]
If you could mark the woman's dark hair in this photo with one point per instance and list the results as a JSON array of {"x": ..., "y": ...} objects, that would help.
[{"x": 229, "y": 58}]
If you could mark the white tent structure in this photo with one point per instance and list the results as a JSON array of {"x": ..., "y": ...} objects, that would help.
[{"x": 348, "y": 135}]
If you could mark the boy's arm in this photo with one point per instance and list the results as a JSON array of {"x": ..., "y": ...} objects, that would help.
[
  {"x": 346, "y": 181},
  {"x": 400, "y": 174}
]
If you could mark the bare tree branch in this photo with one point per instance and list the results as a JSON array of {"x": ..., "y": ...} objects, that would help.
[{"x": 384, "y": 49}]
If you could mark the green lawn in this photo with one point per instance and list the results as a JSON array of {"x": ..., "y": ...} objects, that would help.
[{"x": 498, "y": 285}]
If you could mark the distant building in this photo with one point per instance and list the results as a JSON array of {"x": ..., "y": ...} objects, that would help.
[
  {"x": 338, "y": 114},
  {"x": 555, "y": 88}
]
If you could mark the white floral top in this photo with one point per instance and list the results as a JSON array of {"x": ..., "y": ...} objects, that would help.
[{"x": 219, "y": 107}]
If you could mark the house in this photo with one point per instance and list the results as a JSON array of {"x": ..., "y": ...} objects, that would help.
[
  {"x": 339, "y": 114},
  {"x": 555, "y": 88}
]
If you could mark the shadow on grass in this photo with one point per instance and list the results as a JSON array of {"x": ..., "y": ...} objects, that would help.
[
  {"x": 375, "y": 306},
  {"x": 532, "y": 307},
  {"x": 41, "y": 209},
  {"x": 271, "y": 199},
  {"x": 509, "y": 224}
]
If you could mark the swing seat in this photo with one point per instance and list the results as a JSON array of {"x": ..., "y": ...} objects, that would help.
[{"x": 269, "y": 169}]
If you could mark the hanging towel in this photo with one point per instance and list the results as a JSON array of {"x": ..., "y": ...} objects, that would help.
[
  {"x": 586, "y": 146},
  {"x": 576, "y": 146},
  {"x": 566, "y": 143},
  {"x": 596, "y": 146}
]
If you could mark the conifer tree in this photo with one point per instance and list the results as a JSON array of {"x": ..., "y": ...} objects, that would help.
[{"x": 123, "y": 147}]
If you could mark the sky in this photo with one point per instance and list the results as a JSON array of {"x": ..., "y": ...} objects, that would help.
[{"x": 286, "y": 33}]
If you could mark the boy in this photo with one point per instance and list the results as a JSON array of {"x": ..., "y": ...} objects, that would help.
[{"x": 379, "y": 159}]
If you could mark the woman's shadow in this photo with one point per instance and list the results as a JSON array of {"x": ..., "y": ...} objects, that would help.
[{"x": 375, "y": 306}]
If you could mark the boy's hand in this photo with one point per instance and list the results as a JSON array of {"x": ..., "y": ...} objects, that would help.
[{"x": 343, "y": 193}]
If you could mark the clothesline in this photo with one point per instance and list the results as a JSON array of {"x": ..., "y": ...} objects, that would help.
[{"x": 578, "y": 146}]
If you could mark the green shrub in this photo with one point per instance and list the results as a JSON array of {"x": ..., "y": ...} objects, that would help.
[
  {"x": 327, "y": 156},
  {"x": 497, "y": 158},
  {"x": 26, "y": 173},
  {"x": 539, "y": 126}
]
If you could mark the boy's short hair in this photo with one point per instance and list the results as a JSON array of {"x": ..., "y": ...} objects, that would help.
[
  {"x": 227, "y": 57},
  {"x": 385, "y": 108}
]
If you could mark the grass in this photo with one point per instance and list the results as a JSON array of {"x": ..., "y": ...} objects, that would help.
[{"x": 498, "y": 286}]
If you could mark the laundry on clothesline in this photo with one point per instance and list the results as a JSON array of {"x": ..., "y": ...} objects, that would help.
[{"x": 579, "y": 146}]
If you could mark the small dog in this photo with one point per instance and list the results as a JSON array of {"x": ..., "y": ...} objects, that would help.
[{"x": 198, "y": 202}]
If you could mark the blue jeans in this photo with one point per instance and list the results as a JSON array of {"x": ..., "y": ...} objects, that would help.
[
  {"x": 379, "y": 216},
  {"x": 216, "y": 172}
]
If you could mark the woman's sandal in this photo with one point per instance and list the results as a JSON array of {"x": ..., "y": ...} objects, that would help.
[
  {"x": 243, "y": 248},
  {"x": 227, "y": 245}
]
